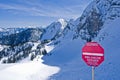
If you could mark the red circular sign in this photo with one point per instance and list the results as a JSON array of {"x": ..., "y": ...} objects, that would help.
[{"x": 93, "y": 54}]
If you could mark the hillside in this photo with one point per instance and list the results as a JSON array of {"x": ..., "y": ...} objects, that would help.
[
  {"x": 65, "y": 62},
  {"x": 68, "y": 57},
  {"x": 54, "y": 53}
]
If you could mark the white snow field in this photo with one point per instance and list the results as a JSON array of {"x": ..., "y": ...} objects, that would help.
[{"x": 33, "y": 70}]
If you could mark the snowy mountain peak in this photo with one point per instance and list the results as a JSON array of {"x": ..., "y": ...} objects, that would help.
[
  {"x": 54, "y": 30},
  {"x": 94, "y": 17},
  {"x": 63, "y": 23},
  {"x": 61, "y": 20}
]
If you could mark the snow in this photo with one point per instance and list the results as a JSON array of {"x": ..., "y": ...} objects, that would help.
[
  {"x": 110, "y": 42},
  {"x": 49, "y": 48},
  {"x": 2, "y": 47},
  {"x": 27, "y": 71},
  {"x": 65, "y": 61},
  {"x": 35, "y": 45},
  {"x": 67, "y": 56},
  {"x": 54, "y": 29},
  {"x": 63, "y": 23}
]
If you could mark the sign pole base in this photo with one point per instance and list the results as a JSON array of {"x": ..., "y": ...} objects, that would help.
[{"x": 93, "y": 77}]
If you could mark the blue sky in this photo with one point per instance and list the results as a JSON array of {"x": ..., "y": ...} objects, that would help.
[{"x": 36, "y": 13}]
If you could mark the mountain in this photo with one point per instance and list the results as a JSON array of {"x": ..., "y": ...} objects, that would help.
[
  {"x": 30, "y": 34},
  {"x": 86, "y": 27},
  {"x": 54, "y": 30},
  {"x": 68, "y": 56},
  {"x": 60, "y": 45},
  {"x": 91, "y": 21},
  {"x": 17, "y": 46},
  {"x": 99, "y": 22},
  {"x": 94, "y": 17},
  {"x": 9, "y": 31}
]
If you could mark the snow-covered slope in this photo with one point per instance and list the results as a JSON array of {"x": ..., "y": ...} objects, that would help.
[
  {"x": 17, "y": 46},
  {"x": 101, "y": 18},
  {"x": 68, "y": 56},
  {"x": 63, "y": 42},
  {"x": 27, "y": 71},
  {"x": 54, "y": 30},
  {"x": 109, "y": 37},
  {"x": 94, "y": 17},
  {"x": 69, "y": 64}
]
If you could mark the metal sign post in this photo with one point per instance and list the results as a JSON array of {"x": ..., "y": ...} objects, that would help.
[{"x": 93, "y": 77}]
